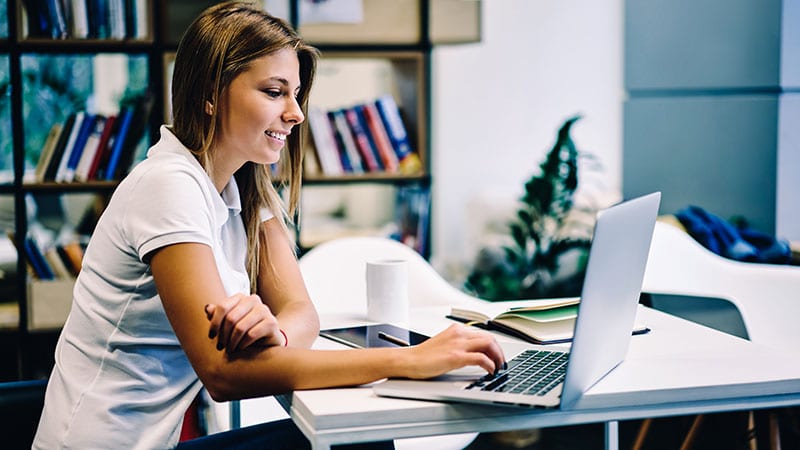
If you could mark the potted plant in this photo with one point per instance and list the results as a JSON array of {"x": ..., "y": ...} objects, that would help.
[{"x": 545, "y": 257}]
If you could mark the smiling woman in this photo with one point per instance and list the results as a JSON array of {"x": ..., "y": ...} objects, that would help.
[{"x": 190, "y": 279}]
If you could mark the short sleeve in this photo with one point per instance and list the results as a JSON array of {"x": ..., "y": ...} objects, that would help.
[
  {"x": 168, "y": 206},
  {"x": 265, "y": 214}
]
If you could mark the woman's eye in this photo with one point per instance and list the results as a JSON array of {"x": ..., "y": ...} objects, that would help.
[{"x": 273, "y": 93}]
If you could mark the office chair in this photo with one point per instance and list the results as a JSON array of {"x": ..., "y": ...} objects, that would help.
[
  {"x": 765, "y": 295},
  {"x": 334, "y": 274}
]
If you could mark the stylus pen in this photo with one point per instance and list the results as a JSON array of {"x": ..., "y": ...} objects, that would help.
[{"x": 393, "y": 339}]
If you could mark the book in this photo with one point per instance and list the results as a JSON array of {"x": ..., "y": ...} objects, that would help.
[
  {"x": 103, "y": 146},
  {"x": 546, "y": 321},
  {"x": 72, "y": 255},
  {"x": 383, "y": 145},
  {"x": 142, "y": 108},
  {"x": 410, "y": 162},
  {"x": 124, "y": 118},
  {"x": 79, "y": 23},
  {"x": 324, "y": 143},
  {"x": 47, "y": 151},
  {"x": 61, "y": 145},
  {"x": 60, "y": 269},
  {"x": 90, "y": 149},
  {"x": 36, "y": 259},
  {"x": 344, "y": 139},
  {"x": 77, "y": 150},
  {"x": 61, "y": 171},
  {"x": 412, "y": 209},
  {"x": 363, "y": 142}
]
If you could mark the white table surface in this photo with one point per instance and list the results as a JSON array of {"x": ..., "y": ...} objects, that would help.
[{"x": 678, "y": 368}]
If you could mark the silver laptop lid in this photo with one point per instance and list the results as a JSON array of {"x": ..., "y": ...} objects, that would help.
[{"x": 610, "y": 294}]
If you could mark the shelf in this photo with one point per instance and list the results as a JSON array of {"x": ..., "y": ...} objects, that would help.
[
  {"x": 89, "y": 186},
  {"x": 399, "y": 22},
  {"x": 376, "y": 177},
  {"x": 60, "y": 46}
]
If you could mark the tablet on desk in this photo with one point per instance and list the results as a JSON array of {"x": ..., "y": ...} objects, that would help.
[{"x": 370, "y": 336}]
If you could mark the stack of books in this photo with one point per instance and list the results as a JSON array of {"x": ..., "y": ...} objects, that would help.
[
  {"x": 90, "y": 146},
  {"x": 368, "y": 137},
  {"x": 86, "y": 19},
  {"x": 59, "y": 261}
]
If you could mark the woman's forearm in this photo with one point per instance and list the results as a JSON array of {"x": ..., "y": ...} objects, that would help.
[{"x": 278, "y": 370}]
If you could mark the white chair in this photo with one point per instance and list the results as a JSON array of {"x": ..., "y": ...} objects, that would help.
[
  {"x": 765, "y": 295},
  {"x": 334, "y": 273}
]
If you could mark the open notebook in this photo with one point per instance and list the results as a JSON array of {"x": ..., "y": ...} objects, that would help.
[{"x": 606, "y": 313}]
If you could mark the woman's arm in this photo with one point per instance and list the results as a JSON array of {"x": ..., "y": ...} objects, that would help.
[
  {"x": 281, "y": 287},
  {"x": 238, "y": 321},
  {"x": 187, "y": 280}
]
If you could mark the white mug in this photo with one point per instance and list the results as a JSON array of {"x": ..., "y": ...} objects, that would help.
[{"x": 387, "y": 291}]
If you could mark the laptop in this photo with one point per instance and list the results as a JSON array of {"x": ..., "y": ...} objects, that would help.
[{"x": 541, "y": 377}]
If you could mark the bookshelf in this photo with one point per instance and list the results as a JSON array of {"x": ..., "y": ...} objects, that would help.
[
  {"x": 388, "y": 51},
  {"x": 50, "y": 72}
]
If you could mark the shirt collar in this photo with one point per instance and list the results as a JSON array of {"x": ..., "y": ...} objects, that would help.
[{"x": 169, "y": 143}]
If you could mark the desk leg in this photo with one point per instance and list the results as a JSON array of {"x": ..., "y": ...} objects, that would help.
[{"x": 612, "y": 435}]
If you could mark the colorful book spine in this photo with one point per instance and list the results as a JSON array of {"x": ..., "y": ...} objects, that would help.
[
  {"x": 90, "y": 149},
  {"x": 47, "y": 151},
  {"x": 37, "y": 261},
  {"x": 61, "y": 173},
  {"x": 396, "y": 129},
  {"x": 345, "y": 140},
  {"x": 77, "y": 151},
  {"x": 324, "y": 142},
  {"x": 126, "y": 118},
  {"x": 365, "y": 146},
  {"x": 103, "y": 147},
  {"x": 60, "y": 148},
  {"x": 379, "y": 136}
]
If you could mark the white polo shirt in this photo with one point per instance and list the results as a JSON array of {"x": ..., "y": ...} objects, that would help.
[{"x": 121, "y": 378}]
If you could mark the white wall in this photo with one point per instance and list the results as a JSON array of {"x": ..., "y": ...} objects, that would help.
[{"x": 498, "y": 104}]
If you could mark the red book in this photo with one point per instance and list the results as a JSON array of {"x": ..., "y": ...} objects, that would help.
[
  {"x": 102, "y": 147},
  {"x": 380, "y": 137},
  {"x": 368, "y": 153}
]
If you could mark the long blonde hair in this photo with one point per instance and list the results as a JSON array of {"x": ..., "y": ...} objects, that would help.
[{"x": 219, "y": 45}]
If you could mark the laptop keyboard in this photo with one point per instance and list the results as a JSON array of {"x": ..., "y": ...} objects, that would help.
[{"x": 532, "y": 372}]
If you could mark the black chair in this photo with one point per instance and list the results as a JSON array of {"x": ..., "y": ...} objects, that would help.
[{"x": 21, "y": 405}]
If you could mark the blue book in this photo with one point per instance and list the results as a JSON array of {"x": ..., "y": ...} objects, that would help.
[
  {"x": 125, "y": 119},
  {"x": 77, "y": 150},
  {"x": 390, "y": 114},
  {"x": 40, "y": 266}
]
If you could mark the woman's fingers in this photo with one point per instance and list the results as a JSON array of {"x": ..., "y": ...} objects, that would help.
[
  {"x": 456, "y": 347},
  {"x": 241, "y": 321}
]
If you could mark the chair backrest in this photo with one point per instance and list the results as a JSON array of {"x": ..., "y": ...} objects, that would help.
[
  {"x": 21, "y": 404},
  {"x": 766, "y": 295},
  {"x": 334, "y": 273}
]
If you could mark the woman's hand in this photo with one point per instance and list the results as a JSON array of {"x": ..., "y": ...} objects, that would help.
[
  {"x": 457, "y": 346},
  {"x": 242, "y": 321}
]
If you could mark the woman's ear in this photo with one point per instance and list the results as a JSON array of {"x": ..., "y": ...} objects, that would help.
[{"x": 209, "y": 108}]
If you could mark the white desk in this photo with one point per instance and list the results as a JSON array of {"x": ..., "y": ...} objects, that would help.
[{"x": 678, "y": 368}]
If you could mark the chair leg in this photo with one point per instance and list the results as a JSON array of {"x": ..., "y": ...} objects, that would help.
[
  {"x": 644, "y": 428},
  {"x": 693, "y": 430},
  {"x": 752, "y": 442},
  {"x": 774, "y": 431}
]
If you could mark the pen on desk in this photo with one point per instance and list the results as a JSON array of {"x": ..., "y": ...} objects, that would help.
[{"x": 393, "y": 339}]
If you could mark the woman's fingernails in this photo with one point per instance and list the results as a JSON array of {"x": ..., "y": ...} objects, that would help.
[
  {"x": 212, "y": 334},
  {"x": 208, "y": 311}
]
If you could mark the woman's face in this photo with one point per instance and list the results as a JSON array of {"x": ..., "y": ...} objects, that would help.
[{"x": 258, "y": 110}]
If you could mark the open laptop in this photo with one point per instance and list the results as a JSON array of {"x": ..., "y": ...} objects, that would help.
[{"x": 542, "y": 377}]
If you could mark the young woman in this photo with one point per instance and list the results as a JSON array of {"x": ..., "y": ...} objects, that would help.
[{"x": 190, "y": 279}]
